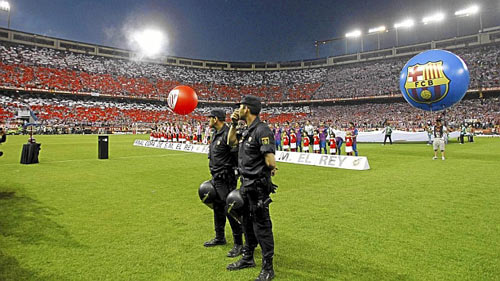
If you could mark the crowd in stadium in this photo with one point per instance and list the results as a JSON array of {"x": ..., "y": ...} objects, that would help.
[
  {"x": 27, "y": 68},
  {"x": 62, "y": 111},
  {"x": 43, "y": 68}
]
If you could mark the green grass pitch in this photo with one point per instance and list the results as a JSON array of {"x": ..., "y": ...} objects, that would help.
[{"x": 137, "y": 216}]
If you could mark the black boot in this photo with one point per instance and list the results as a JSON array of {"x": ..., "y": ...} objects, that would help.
[
  {"x": 267, "y": 272},
  {"x": 235, "y": 251},
  {"x": 245, "y": 261},
  {"x": 215, "y": 242}
]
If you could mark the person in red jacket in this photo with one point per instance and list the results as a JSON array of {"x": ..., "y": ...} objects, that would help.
[
  {"x": 316, "y": 142},
  {"x": 293, "y": 140},
  {"x": 305, "y": 146},
  {"x": 286, "y": 142},
  {"x": 348, "y": 143},
  {"x": 333, "y": 146}
]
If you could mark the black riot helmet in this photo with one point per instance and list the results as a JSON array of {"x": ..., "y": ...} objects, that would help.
[
  {"x": 207, "y": 193},
  {"x": 234, "y": 202}
]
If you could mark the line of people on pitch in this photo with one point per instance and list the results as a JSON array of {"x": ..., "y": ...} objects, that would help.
[
  {"x": 182, "y": 133},
  {"x": 466, "y": 130},
  {"x": 308, "y": 138}
]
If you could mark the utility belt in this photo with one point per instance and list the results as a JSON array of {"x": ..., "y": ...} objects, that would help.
[
  {"x": 227, "y": 176},
  {"x": 262, "y": 184}
]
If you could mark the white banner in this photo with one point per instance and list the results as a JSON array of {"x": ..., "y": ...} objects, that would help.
[
  {"x": 197, "y": 148},
  {"x": 397, "y": 136},
  {"x": 323, "y": 160}
]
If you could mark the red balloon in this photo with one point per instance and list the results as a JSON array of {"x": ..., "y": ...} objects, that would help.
[{"x": 182, "y": 100}]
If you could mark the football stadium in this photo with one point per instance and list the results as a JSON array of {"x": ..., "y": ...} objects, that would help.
[{"x": 371, "y": 156}]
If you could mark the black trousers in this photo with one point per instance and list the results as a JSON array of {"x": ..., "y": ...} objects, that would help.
[
  {"x": 462, "y": 138},
  {"x": 257, "y": 225},
  {"x": 388, "y": 137},
  {"x": 223, "y": 187}
]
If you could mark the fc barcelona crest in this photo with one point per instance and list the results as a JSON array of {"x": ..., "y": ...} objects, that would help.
[{"x": 427, "y": 83}]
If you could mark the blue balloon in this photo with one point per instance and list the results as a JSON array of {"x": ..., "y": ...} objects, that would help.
[{"x": 434, "y": 80}]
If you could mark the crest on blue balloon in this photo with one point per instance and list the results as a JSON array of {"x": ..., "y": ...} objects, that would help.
[{"x": 434, "y": 80}]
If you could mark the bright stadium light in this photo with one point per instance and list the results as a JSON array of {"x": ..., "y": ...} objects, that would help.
[
  {"x": 406, "y": 23},
  {"x": 4, "y": 6},
  {"x": 355, "y": 33},
  {"x": 150, "y": 41},
  {"x": 434, "y": 18},
  {"x": 467, "y": 11},
  {"x": 377, "y": 29}
]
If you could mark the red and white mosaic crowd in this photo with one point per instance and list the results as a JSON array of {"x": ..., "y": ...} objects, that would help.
[{"x": 29, "y": 67}]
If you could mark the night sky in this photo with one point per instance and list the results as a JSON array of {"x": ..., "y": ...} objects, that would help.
[{"x": 234, "y": 30}]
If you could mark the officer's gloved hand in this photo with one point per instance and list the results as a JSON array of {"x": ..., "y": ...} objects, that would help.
[{"x": 264, "y": 203}]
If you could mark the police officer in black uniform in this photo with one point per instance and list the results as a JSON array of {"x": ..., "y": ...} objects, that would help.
[
  {"x": 222, "y": 167},
  {"x": 256, "y": 165},
  {"x": 3, "y": 138}
]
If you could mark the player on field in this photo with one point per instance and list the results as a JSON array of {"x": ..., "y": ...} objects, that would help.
[
  {"x": 306, "y": 144},
  {"x": 333, "y": 144},
  {"x": 316, "y": 147},
  {"x": 348, "y": 143},
  {"x": 286, "y": 142},
  {"x": 293, "y": 140}
]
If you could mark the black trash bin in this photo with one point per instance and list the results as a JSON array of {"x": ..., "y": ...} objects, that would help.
[
  {"x": 29, "y": 154},
  {"x": 103, "y": 147}
]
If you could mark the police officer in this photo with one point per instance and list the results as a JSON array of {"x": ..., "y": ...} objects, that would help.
[
  {"x": 256, "y": 164},
  {"x": 222, "y": 167},
  {"x": 3, "y": 138}
]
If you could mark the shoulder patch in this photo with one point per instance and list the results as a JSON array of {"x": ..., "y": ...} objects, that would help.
[{"x": 265, "y": 140}]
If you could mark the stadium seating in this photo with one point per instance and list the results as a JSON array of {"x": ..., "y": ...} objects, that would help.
[
  {"x": 52, "y": 111},
  {"x": 42, "y": 68}
]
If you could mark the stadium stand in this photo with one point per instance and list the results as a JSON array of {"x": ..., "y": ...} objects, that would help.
[
  {"x": 44, "y": 68},
  {"x": 85, "y": 89},
  {"x": 63, "y": 111}
]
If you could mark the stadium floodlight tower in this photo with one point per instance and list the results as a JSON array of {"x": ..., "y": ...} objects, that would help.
[
  {"x": 5, "y": 6},
  {"x": 149, "y": 41},
  {"x": 353, "y": 34},
  {"x": 469, "y": 11},
  {"x": 407, "y": 23},
  {"x": 435, "y": 18},
  {"x": 377, "y": 30}
]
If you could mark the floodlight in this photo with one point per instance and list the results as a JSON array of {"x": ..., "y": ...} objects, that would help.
[
  {"x": 150, "y": 41},
  {"x": 468, "y": 11},
  {"x": 4, "y": 6},
  {"x": 355, "y": 33},
  {"x": 377, "y": 29},
  {"x": 405, "y": 23},
  {"x": 434, "y": 18}
]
